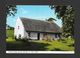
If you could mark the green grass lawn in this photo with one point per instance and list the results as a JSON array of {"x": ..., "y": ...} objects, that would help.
[{"x": 40, "y": 45}]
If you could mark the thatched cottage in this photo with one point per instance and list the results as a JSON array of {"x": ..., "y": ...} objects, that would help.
[{"x": 36, "y": 29}]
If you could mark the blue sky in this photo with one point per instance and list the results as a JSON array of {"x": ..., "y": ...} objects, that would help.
[{"x": 38, "y": 12}]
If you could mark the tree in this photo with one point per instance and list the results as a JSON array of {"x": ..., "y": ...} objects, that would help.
[
  {"x": 11, "y": 10},
  {"x": 66, "y": 14}
]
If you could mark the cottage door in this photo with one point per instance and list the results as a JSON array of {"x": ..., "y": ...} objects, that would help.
[{"x": 38, "y": 36}]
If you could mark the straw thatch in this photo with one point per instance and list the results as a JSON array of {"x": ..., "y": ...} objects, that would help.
[{"x": 40, "y": 26}]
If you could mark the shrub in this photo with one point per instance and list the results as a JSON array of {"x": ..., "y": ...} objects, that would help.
[{"x": 67, "y": 41}]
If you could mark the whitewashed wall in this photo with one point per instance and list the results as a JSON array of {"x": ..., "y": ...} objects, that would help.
[
  {"x": 21, "y": 29},
  {"x": 33, "y": 35},
  {"x": 41, "y": 36},
  {"x": 53, "y": 35},
  {"x": 25, "y": 34}
]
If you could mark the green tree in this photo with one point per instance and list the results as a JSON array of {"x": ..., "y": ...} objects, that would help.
[
  {"x": 66, "y": 14},
  {"x": 11, "y": 10}
]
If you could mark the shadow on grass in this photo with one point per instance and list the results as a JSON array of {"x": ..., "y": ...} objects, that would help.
[
  {"x": 71, "y": 45},
  {"x": 30, "y": 46}
]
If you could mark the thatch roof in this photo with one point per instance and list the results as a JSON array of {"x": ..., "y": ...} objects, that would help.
[{"x": 40, "y": 26}]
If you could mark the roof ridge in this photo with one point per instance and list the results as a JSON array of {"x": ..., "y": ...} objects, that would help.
[{"x": 36, "y": 19}]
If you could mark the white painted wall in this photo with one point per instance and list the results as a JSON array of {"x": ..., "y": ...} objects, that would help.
[
  {"x": 21, "y": 29},
  {"x": 53, "y": 35},
  {"x": 41, "y": 36},
  {"x": 33, "y": 35}
]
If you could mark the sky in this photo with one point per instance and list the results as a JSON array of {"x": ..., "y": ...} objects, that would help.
[{"x": 38, "y": 12}]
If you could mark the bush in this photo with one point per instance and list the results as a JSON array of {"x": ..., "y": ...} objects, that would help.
[
  {"x": 10, "y": 33},
  {"x": 67, "y": 41}
]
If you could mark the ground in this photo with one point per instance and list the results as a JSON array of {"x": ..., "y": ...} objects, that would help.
[{"x": 58, "y": 45}]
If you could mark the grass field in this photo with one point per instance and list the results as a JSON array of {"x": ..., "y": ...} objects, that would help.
[
  {"x": 39, "y": 45},
  {"x": 58, "y": 45}
]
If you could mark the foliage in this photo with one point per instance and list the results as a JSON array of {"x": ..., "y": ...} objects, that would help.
[
  {"x": 59, "y": 45},
  {"x": 66, "y": 14},
  {"x": 67, "y": 40},
  {"x": 9, "y": 33},
  {"x": 10, "y": 28},
  {"x": 11, "y": 10}
]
